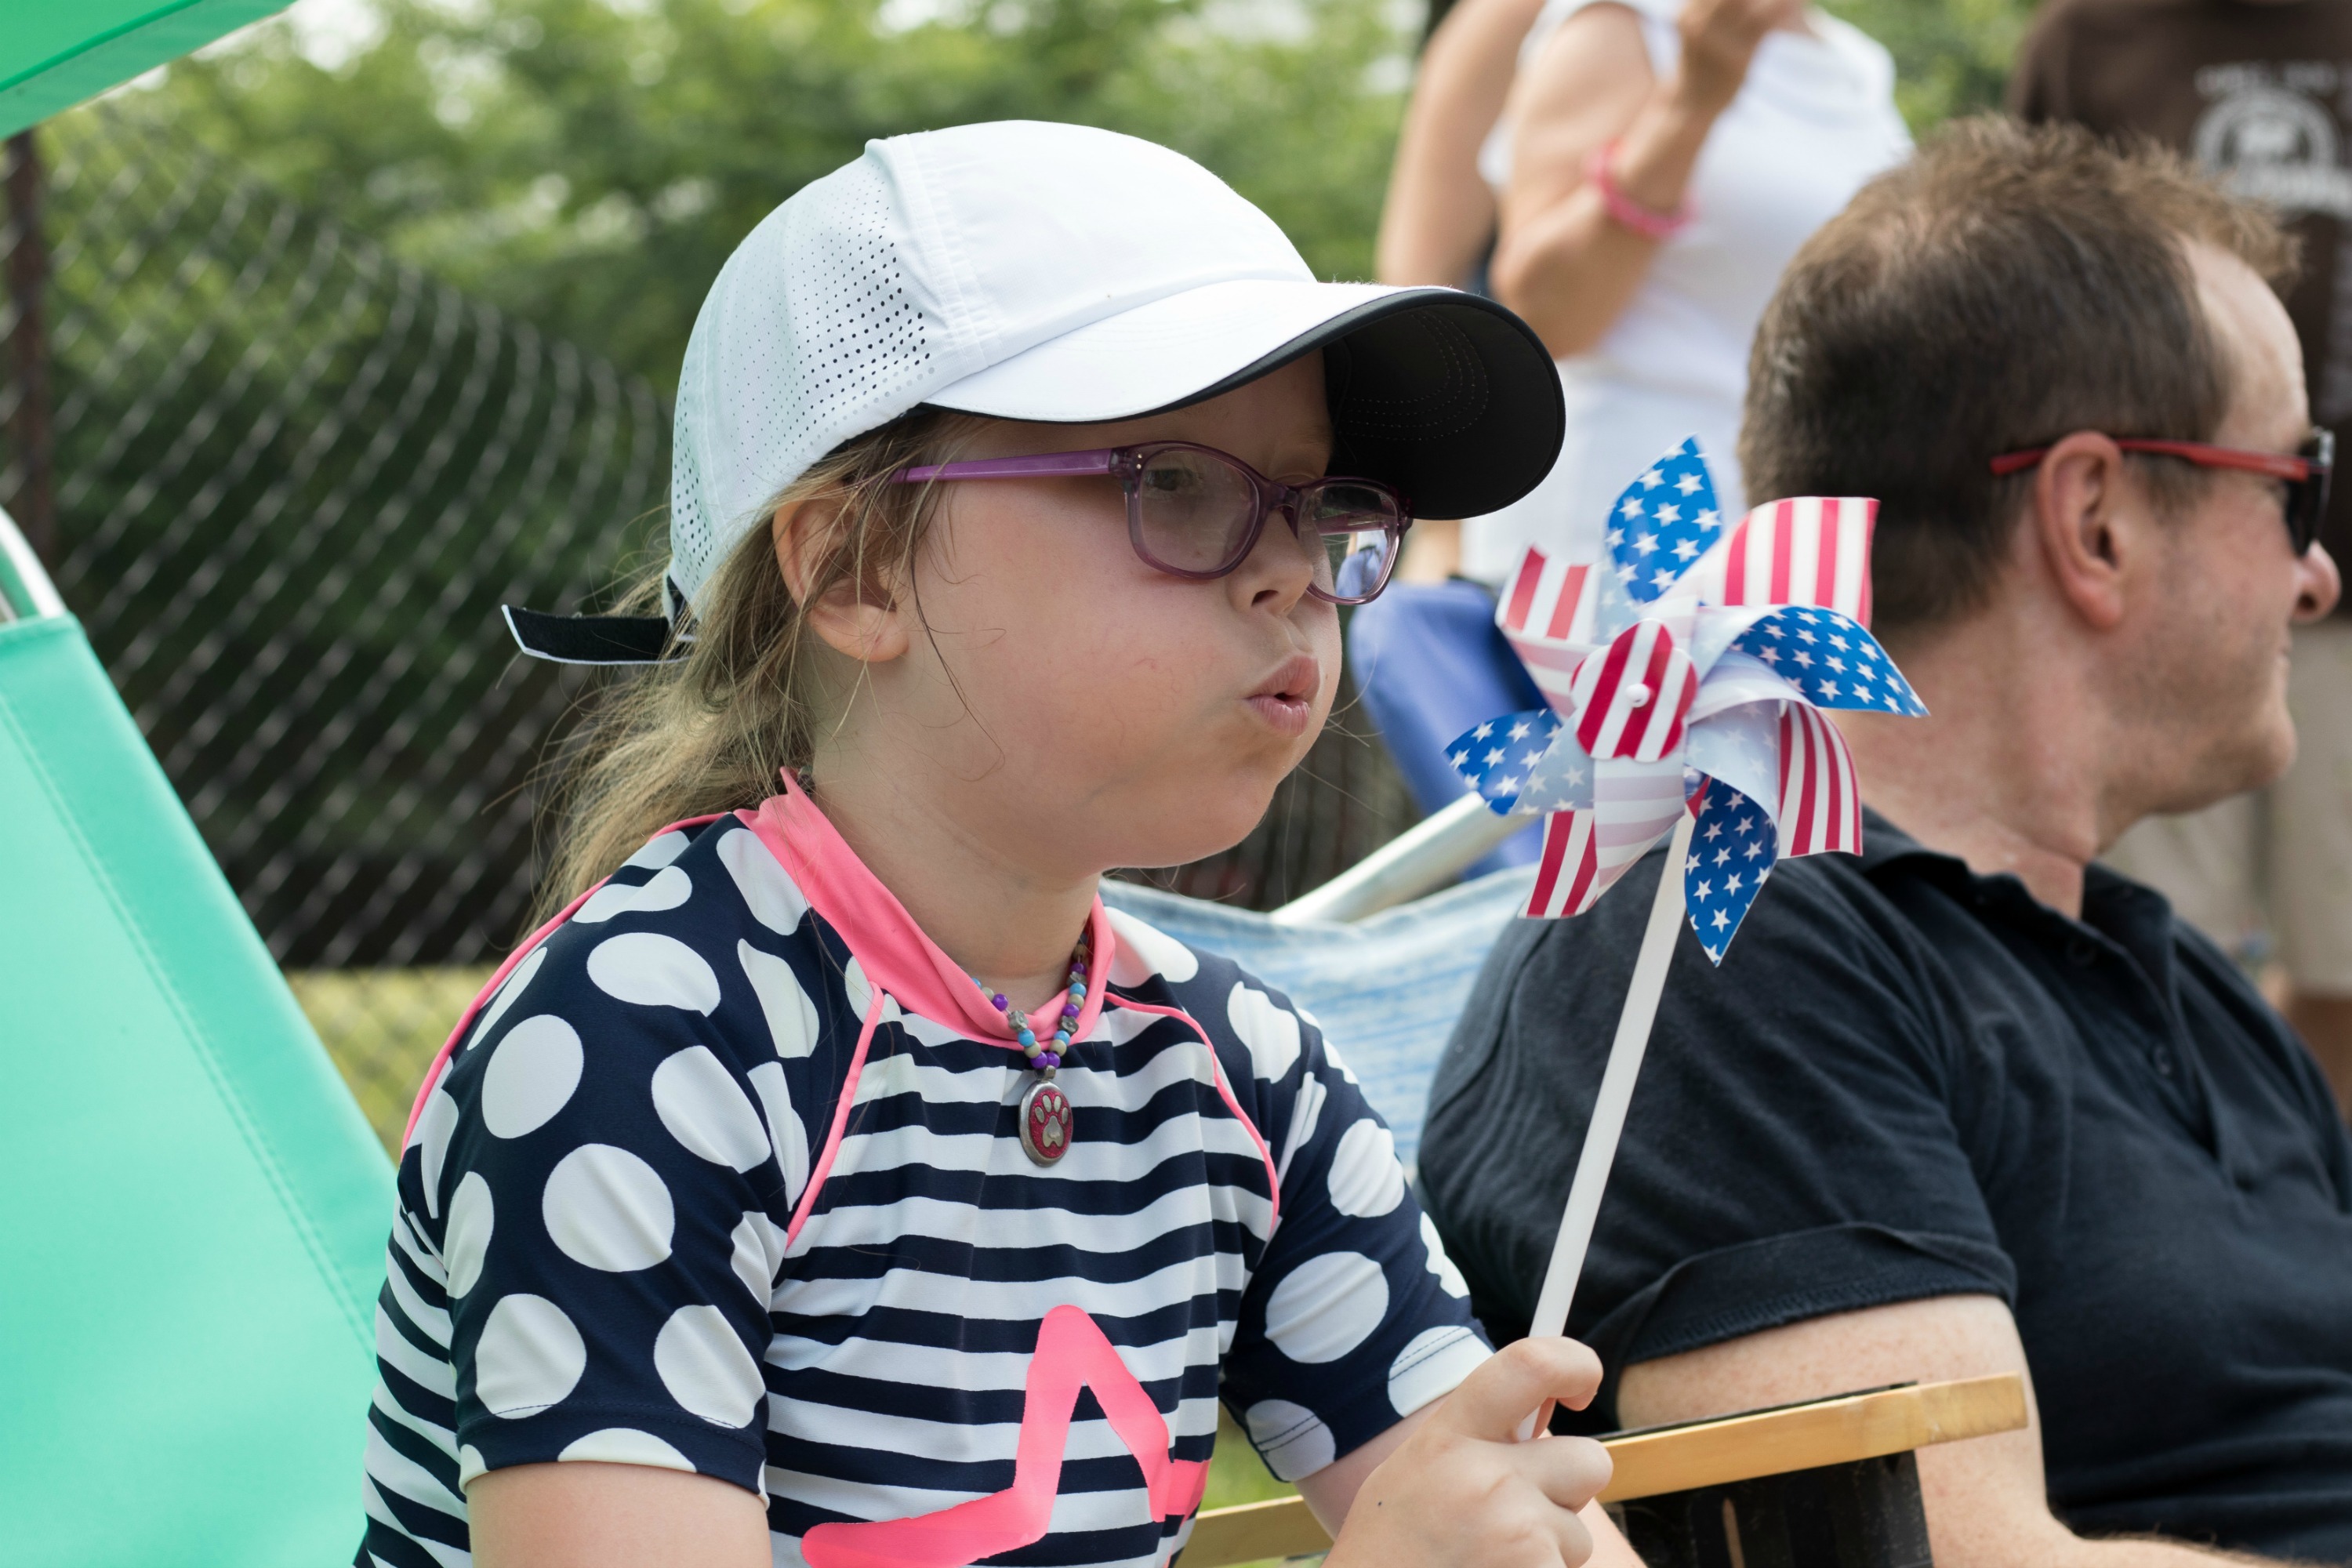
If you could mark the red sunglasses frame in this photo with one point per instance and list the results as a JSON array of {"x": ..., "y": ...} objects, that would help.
[{"x": 2307, "y": 474}]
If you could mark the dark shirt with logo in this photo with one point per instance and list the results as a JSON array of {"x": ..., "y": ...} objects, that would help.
[
  {"x": 2260, "y": 94},
  {"x": 1907, "y": 1081}
]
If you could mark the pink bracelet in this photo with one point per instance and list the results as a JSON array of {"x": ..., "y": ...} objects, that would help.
[{"x": 1646, "y": 221}]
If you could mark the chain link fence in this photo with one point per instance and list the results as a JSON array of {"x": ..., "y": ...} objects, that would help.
[{"x": 284, "y": 480}]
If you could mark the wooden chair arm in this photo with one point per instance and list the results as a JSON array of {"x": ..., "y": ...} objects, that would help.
[{"x": 1676, "y": 1458}]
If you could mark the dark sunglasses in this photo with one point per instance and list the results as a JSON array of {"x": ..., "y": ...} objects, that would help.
[
  {"x": 1194, "y": 511},
  {"x": 2306, "y": 474}
]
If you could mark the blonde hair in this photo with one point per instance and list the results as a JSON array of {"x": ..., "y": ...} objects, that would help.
[{"x": 710, "y": 732}]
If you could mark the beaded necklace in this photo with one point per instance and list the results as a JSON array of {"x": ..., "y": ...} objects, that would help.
[{"x": 1047, "y": 1123}]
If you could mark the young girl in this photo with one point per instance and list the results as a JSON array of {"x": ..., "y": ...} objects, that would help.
[{"x": 838, "y": 1181}]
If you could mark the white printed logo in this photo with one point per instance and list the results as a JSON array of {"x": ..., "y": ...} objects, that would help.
[{"x": 2271, "y": 142}]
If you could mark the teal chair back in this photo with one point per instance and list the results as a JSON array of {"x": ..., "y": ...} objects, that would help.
[{"x": 193, "y": 1212}]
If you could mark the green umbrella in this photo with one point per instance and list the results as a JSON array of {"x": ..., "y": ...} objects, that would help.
[{"x": 55, "y": 53}]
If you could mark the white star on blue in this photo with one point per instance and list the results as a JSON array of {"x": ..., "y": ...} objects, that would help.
[
  {"x": 1648, "y": 522},
  {"x": 1735, "y": 846},
  {"x": 1857, "y": 674},
  {"x": 1495, "y": 759}
]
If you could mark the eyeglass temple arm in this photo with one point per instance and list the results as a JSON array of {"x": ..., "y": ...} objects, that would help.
[
  {"x": 1052, "y": 465},
  {"x": 2278, "y": 465}
]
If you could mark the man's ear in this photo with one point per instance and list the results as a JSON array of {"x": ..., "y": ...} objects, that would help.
[
  {"x": 2090, "y": 522},
  {"x": 866, "y": 619}
]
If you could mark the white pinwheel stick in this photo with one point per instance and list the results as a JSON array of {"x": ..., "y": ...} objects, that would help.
[{"x": 1609, "y": 1108}]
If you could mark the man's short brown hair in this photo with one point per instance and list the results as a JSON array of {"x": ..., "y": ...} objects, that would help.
[{"x": 2007, "y": 285}]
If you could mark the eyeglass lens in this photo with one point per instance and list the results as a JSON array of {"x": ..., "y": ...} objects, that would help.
[
  {"x": 2308, "y": 498},
  {"x": 1195, "y": 513}
]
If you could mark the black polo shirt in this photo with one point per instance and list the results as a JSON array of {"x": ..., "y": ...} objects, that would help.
[{"x": 1908, "y": 1080}]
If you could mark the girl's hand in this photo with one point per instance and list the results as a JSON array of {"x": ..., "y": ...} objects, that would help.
[
  {"x": 1719, "y": 39},
  {"x": 1463, "y": 1489}
]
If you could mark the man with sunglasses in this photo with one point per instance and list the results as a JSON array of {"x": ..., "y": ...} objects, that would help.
[
  {"x": 1971, "y": 1102},
  {"x": 2255, "y": 93}
]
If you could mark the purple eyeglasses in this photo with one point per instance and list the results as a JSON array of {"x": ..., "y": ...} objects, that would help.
[{"x": 1194, "y": 511}]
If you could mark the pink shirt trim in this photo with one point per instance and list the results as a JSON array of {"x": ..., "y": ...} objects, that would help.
[{"x": 889, "y": 946}]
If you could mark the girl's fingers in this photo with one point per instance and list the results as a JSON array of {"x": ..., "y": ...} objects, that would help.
[
  {"x": 1494, "y": 1400},
  {"x": 1575, "y": 1541},
  {"x": 1570, "y": 1471}
]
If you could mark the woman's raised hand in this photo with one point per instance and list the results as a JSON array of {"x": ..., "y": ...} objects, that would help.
[
  {"x": 1463, "y": 1490},
  {"x": 1719, "y": 37}
]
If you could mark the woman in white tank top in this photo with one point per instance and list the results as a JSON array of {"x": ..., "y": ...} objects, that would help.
[{"x": 1656, "y": 164}]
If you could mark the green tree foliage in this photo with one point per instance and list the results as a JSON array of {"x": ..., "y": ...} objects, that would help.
[
  {"x": 1951, "y": 57},
  {"x": 590, "y": 164}
]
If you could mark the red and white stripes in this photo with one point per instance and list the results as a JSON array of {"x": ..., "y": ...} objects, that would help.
[
  {"x": 1585, "y": 852},
  {"x": 1820, "y": 797},
  {"x": 1812, "y": 550},
  {"x": 1548, "y": 598},
  {"x": 1630, "y": 698}
]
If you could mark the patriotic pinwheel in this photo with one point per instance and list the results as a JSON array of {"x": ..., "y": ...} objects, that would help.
[
  {"x": 1686, "y": 668},
  {"x": 1689, "y": 655}
]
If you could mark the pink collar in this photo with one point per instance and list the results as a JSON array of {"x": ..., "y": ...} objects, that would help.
[{"x": 888, "y": 945}]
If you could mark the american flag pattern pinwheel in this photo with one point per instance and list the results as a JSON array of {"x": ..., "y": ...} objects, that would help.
[{"x": 1690, "y": 656}]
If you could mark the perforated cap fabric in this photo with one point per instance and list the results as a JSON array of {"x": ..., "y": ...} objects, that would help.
[{"x": 1031, "y": 270}]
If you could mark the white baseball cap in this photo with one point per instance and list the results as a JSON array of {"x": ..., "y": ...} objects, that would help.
[{"x": 1037, "y": 271}]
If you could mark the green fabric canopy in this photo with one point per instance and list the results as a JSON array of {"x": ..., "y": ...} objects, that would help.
[
  {"x": 195, "y": 1220},
  {"x": 55, "y": 53}
]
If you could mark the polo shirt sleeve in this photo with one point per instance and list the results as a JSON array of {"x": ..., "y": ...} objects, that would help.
[
  {"x": 1354, "y": 1318},
  {"x": 1795, "y": 1147}
]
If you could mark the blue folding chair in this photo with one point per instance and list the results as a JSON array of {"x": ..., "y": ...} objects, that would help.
[{"x": 1384, "y": 978}]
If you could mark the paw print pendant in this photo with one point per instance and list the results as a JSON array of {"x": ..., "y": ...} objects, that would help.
[{"x": 1045, "y": 1123}]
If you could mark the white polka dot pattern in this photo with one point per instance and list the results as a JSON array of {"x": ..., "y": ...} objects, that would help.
[
  {"x": 1291, "y": 1438},
  {"x": 653, "y": 971},
  {"x": 530, "y": 1356},
  {"x": 1327, "y": 1307},
  {"x": 431, "y": 1139},
  {"x": 608, "y": 1209},
  {"x": 665, "y": 890},
  {"x": 783, "y": 1000},
  {"x": 659, "y": 851},
  {"x": 766, "y": 891},
  {"x": 1433, "y": 1365},
  {"x": 1449, "y": 1278},
  {"x": 509, "y": 992},
  {"x": 1303, "y": 1120},
  {"x": 785, "y": 1131},
  {"x": 1270, "y": 1033},
  {"x": 753, "y": 1255},
  {"x": 697, "y": 1100},
  {"x": 705, "y": 1368},
  {"x": 1366, "y": 1180},
  {"x": 530, "y": 1077},
  {"x": 466, "y": 1241},
  {"x": 625, "y": 1445}
]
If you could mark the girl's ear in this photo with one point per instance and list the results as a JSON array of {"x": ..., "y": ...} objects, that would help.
[{"x": 858, "y": 614}]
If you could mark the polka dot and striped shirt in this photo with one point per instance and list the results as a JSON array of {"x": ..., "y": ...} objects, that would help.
[{"x": 661, "y": 1209}]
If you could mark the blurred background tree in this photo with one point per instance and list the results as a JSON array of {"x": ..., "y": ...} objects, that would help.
[{"x": 588, "y": 165}]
